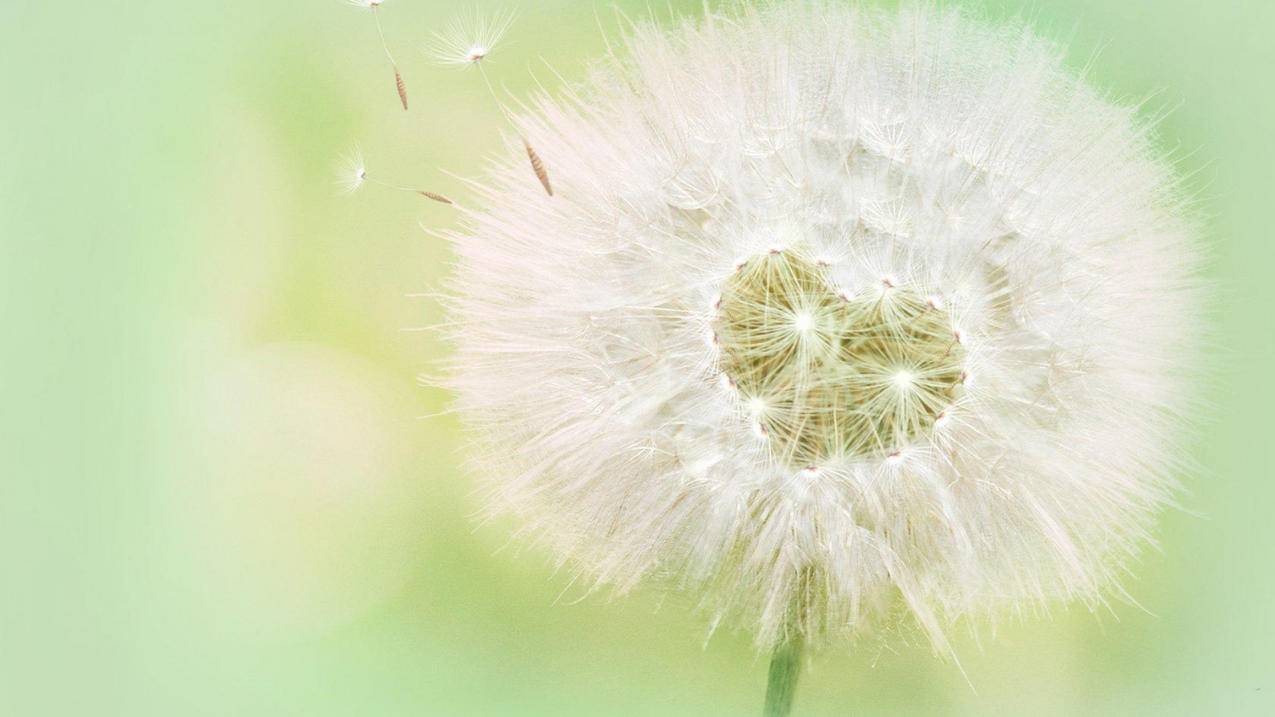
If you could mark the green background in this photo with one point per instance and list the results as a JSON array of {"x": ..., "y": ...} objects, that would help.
[{"x": 216, "y": 495}]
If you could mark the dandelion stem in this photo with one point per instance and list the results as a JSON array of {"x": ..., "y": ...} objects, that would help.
[
  {"x": 785, "y": 661},
  {"x": 785, "y": 668}
]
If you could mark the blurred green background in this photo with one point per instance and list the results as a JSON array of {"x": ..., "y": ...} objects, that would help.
[{"x": 217, "y": 497}]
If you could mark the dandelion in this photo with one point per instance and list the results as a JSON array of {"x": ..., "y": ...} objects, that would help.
[
  {"x": 844, "y": 320},
  {"x": 399, "y": 84},
  {"x": 352, "y": 175}
]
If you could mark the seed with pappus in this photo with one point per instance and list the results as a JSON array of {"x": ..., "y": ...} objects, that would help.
[
  {"x": 353, "y": 174},
  {"x": 838, "y": 318},
  {"x": 467, "y": 43}
]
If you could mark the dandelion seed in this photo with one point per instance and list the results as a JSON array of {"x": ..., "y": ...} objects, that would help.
[
  {"x": 353, "y": 174},
  {"x": 467, "y": 42}
]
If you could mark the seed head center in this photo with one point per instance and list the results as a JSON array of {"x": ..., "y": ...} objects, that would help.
[{"x": 825, "y": 373}]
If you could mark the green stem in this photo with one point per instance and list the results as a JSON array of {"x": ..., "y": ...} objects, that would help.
[
  {"x": 785, "y": 661},
  {"x": 785, "y": 668}
]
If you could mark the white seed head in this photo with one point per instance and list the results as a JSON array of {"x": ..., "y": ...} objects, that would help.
[
  {"x": 714, "y": 165},
  {"x": 369, "y": 4}
]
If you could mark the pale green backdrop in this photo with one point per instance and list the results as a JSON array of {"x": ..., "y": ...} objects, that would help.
[{"x": 217, "y": 498}]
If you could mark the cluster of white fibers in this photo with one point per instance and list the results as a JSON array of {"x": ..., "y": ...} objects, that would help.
[{"x": 952, "y": 281}]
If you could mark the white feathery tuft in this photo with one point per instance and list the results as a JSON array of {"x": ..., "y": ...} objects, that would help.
[
  {"x": 352, "y": 173},
  {"x": 949, "y": 300},
  {"x": 469, "y": 39}
]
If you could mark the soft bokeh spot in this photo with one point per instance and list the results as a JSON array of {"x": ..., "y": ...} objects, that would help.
[{"x": 298, "y": 506}]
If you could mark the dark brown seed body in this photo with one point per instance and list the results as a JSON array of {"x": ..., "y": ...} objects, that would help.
[
  {"x": 402, "y": 88},
  {"x": 436, "y": 197},
  {"x": 539, "y": 168}
]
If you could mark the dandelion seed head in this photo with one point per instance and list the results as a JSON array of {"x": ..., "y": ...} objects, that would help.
[{"x": 757, "y": 261}]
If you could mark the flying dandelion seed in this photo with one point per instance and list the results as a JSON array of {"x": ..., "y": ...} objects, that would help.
[
  {"x": 353, "y": 174},
  {"x": 467, "y": 42},
  {"x": 399, "y": 84},
  {"x": 843, "y": 320}
]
